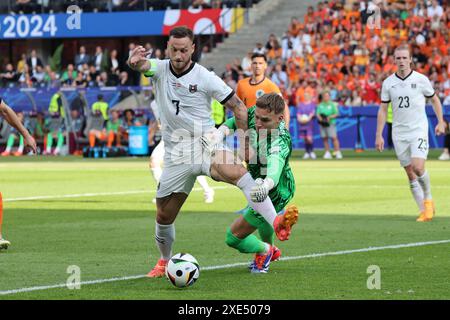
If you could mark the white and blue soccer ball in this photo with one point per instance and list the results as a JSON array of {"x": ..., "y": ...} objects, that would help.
[{"x": 182, "y": 270}]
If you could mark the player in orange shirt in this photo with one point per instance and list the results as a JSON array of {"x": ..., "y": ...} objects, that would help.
[{"x": 251, "y": 88}]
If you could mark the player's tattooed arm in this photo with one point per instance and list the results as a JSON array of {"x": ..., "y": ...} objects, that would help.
[
  {"x": 239, "y": 110},
  {"x": 11, "y": 117},
  {"x": 138, "y": 61}
]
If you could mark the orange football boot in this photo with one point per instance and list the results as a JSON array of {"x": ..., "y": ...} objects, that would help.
[{"x": 159, "y": 270}]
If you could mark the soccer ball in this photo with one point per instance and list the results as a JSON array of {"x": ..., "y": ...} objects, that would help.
[
  {"x": 182, "y": 270},
  {"x": 304, "y": 118}
]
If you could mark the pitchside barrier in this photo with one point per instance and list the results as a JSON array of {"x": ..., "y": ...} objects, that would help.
[{"x": 356, "y": 126}]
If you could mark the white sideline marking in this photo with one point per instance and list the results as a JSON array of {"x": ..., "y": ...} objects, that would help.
[
  {"x": 81, "y": 195},
  {"x": 226, "y": 266}
]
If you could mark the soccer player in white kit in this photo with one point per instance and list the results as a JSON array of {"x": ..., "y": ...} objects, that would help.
[
  {"x": 184, "y": 90},
  {"x": 157, "y": 160},
  {"x": 408, "y": 91}
]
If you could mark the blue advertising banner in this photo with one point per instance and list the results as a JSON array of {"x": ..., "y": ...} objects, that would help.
[
  {"x": 356, "y": 128},
  {"x": 81, "y": 25}
]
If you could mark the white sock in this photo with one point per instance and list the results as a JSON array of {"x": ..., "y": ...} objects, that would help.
[
  {"x": 165, "y": 236},
  {"x": 417, "y": 193},
  {"x": 426, "y": 185},
  {"x": 264, "y": 208},
  {"x": 8, "y": 149},
  {"x": 157, "y": 172},
  {"x": 20, "y": 149},
  {"x": 203, "y": 183}
]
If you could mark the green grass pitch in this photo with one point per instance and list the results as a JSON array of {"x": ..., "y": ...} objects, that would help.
[{"x": 360, "y": 202}]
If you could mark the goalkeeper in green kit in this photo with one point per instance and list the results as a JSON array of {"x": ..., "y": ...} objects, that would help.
[{"x": 269, "y": 166}]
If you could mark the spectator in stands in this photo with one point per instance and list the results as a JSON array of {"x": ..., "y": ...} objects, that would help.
[
  {"x": 275, "y": 52},
  {"x": 371, "y": 91},
  {"x": 259, "y": 49},
  {"x": 113, "y": 64},
  {"x": 69, "y": 75},
  {"x": 38, "y": 77},
  {"x": 104, "y": 81},
  {"x": 246, "y": 64},
  {"x": 13, "y": 136},
  {"x": 326, "y": 114},
  {"x": 98, "y": 59},
  {"x": 33, "y": 61},
  {"x": 305, "y": 114},
  {"x": 149, "y": 48},
  {"x": 446, "y": 152},
  {"x": 55, "y": 125},
  {"x": 294, "y": 27},
  {"x": 354, "y": 100},
  {"x": 93, "y": 76},
  {"x": 124, "y": 79},
  {"x": 435, "y": 10},
  {"x": 279, "y": 77},
  {"x": 80, "y": 81},
  {"x": 21, "y": 63},
  {"x": 52, "y": 80},
  {"x": 25, "y": 78},
  {"x": 9, "y": 77},
  {"x": 82, "y": 58}
]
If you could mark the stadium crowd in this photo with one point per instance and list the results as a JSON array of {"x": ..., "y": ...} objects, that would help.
[
  {"x": 333, "y": 49},
  {"x": 46, "y": 6}
]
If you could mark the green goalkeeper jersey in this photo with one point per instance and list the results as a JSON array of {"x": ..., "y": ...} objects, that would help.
[{"x": 272, "y": 160}]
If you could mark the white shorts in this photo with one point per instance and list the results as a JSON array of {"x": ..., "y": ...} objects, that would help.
[
  {"x": 158, "y": 153},
  {"x": 180, "y": 176},
  {"x": 406, "y": 149}
]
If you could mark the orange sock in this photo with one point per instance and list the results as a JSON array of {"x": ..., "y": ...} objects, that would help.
[
  {"x": 92, "y": 139},
  {"x": 110, "y": 139}
]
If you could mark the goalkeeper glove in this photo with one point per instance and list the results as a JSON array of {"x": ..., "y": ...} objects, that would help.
[{"x": 260, "y": 192}]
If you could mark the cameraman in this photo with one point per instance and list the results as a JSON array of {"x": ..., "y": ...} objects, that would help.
[{"x": 326, "y": 113}]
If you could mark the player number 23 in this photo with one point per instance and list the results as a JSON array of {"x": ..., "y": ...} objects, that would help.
[{"x": 404, "y": 102}]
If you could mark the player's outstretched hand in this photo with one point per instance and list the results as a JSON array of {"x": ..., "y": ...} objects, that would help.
[
  {"x": 440, "y": 128},
  {"x": 379, "y": 144},
  {"x": 137, "y": 56},
  {"x": 30, "y": 143}
]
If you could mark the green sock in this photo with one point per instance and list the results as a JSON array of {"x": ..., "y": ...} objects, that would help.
[
  {"x": 250, "y": 244},
  {"x": 10, "y": 142},
  {"x": 49, "y": 142},
  {"x": 20, "y": 149},
  {"x": 60, "y": 140},
  {"x": 266, "y": 233}
]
